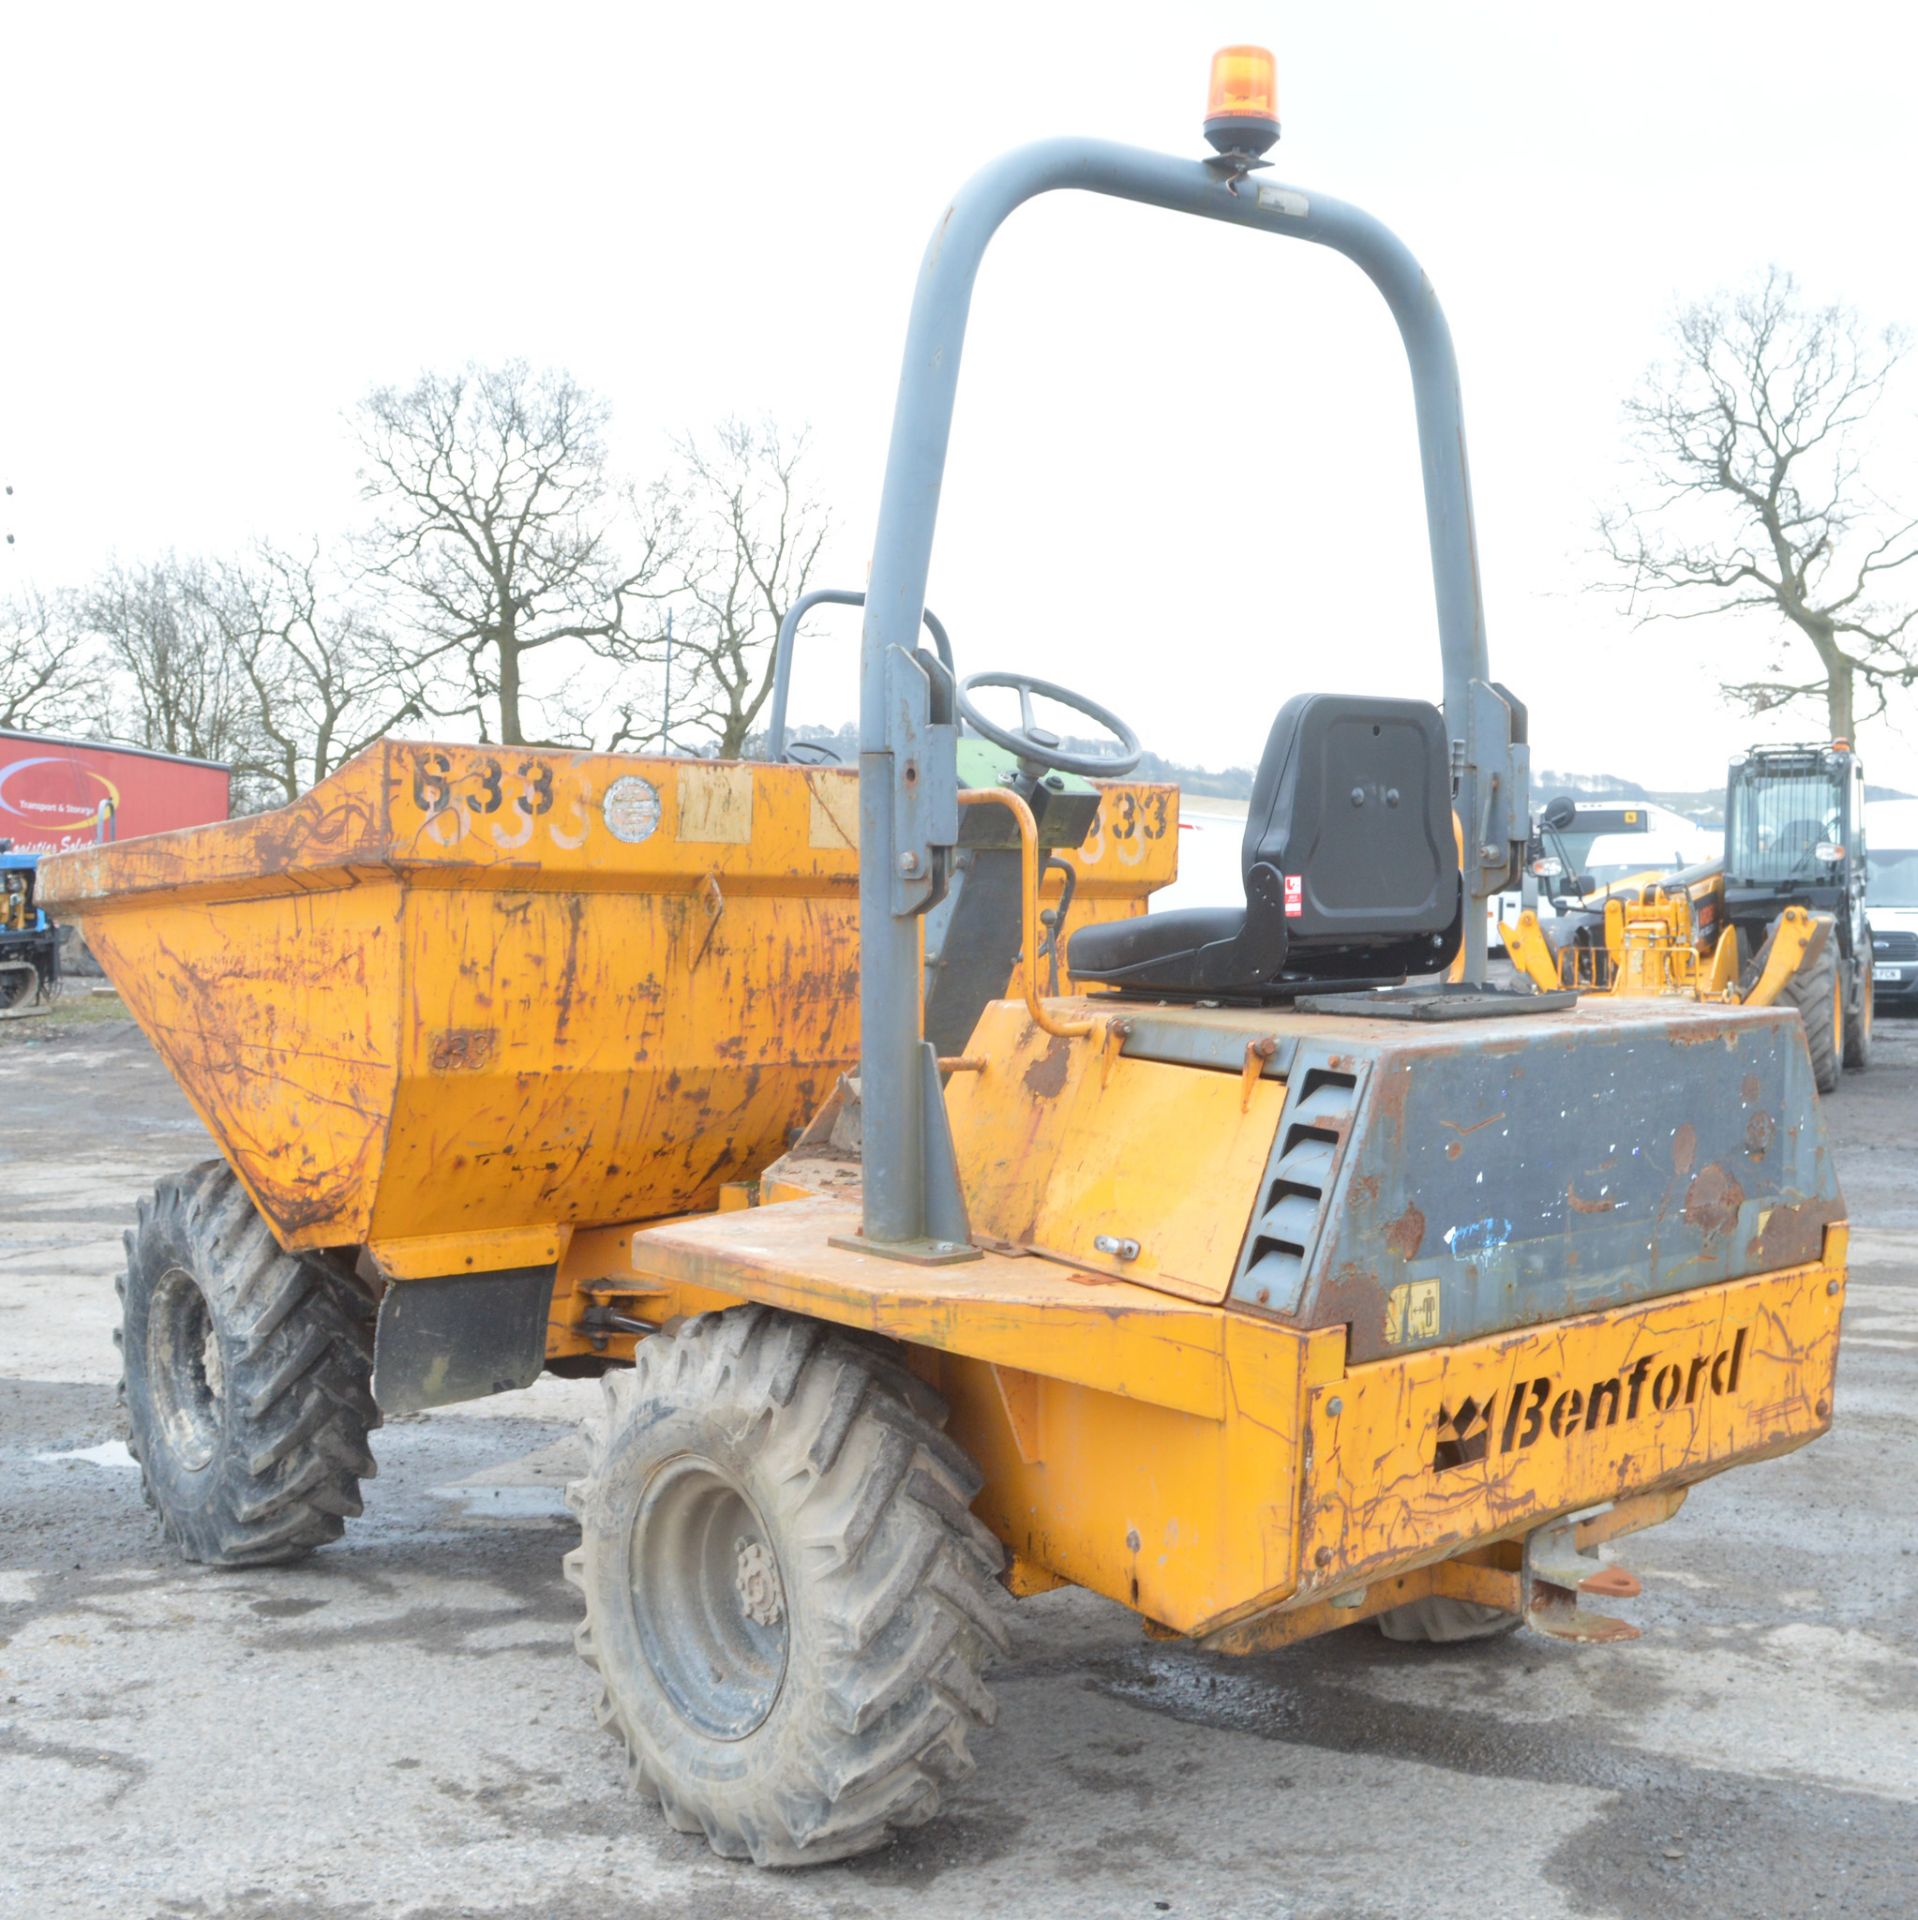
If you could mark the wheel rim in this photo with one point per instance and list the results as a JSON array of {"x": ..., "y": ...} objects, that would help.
[
  {"x": 1837, "y": 1012},
  {"x": 709, "y": 1598},
  {"x": 185, "y": 1370}
]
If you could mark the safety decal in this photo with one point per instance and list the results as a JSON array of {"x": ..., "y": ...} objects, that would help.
[{"x": 631, "y": 807}]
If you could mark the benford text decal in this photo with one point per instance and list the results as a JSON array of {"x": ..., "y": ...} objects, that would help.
[{"x": 1510, "y": 1421}]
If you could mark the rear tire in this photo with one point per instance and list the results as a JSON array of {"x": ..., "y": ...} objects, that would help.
[
  {"x": 1817, "y": 992},
  {"x": 18, "y": 985},
  {"x": 1440, "y": 1620},
  {"x": 788, "y": 1603},
  {"x": 247, "y": 1377},
  {"x": 1858, "y": 1027}
]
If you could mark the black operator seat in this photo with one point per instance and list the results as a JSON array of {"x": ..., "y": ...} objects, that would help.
[{"x": 1350, "y": 866}]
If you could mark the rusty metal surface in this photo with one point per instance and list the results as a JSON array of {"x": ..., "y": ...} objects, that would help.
[
  {"x": 456, "y": 991},
  {"x": 1413, "y": 1458},
  {"x": 1203, "y": 1465},
  {"x": 1072, "y": 1147},
  {"x": 1504, "y": 1176},
  {"x": 1502, "y": 1173},
  {"x": 1469, "y": 1580},
  {"x": 1037, "y": 1315},
  {"x": 280, "y": 1021}
]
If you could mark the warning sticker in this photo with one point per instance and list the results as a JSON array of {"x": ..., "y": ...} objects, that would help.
[
  {"x": 1294, "y": 896},
  {"x": 1286, "y": 200}
]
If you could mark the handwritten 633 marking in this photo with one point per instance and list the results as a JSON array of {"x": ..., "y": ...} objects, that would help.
[
  {"x": 501, "y": 801},
  {"x": 1129, "y": 821}
]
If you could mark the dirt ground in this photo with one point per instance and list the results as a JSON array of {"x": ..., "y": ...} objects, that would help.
[{"x": 399, "y": 1727}]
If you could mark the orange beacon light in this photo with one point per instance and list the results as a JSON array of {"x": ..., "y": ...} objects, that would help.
[{"x": 1242, "y": 103}]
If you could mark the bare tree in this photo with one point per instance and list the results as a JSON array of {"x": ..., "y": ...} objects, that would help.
[
  {"x": 499, "y": 532},
  {"x": 744, "y": 532},
  {"x": 320, "y": 673},
  {"x": 1749, "y": 445},
  {"x": 178, "y": 685},
  {"x": 48, "y": 673}
]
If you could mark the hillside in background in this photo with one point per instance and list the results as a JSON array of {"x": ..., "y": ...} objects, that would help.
[
  {"x": 1707, "y": 809},
  {"x": 1705, "y": 806},
  {"x": 1233, "y": 783}
]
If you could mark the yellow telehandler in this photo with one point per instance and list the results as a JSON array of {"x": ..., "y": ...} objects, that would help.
[{"x": 1778, "y": 920}]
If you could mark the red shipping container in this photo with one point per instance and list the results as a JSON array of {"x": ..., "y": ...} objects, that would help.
[{"x": 52, "y": 790}]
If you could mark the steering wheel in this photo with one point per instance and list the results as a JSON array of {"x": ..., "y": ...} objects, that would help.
[
  {"x": 810, "y": 753},
  {"x": 1032, "y": 742}
]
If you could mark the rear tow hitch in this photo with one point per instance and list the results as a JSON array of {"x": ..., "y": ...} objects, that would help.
[{"x": 1559, "y": 1568}]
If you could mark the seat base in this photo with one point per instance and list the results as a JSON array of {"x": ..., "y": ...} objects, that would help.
[
  {"x": 1247, "y": 956},
  {"x": 1277, "y": 994}
]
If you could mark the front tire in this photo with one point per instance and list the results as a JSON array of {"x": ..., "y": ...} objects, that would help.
[
  {"x": 788, "y": 1603},
  {"x": 1818, "y": 992},
  {"x": 247, "y": 1377},
  {"x": 1858, "y": 1027}
]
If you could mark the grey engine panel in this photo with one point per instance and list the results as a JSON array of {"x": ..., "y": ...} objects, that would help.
[{"x": 1503, "y": 1174}]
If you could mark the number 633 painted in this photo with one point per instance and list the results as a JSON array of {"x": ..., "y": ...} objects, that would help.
[{"x": 505, "y": 802}]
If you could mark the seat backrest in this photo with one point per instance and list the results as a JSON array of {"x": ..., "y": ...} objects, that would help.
[{"x": 1353, "y": 806}]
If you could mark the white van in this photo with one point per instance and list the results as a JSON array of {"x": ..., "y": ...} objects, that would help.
[
  {"x": 1891, "y": 900},
  {"x": 1666, "y": 848}
]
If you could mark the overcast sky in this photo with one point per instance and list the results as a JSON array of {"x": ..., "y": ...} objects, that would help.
[{"x": 1184, "y": 476}]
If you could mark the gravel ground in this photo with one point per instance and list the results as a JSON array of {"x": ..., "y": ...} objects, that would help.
[{"x": 399, "y": 1727}]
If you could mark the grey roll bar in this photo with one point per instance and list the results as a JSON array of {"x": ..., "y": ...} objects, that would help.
[
  {"x": 907, "y": 781},
  {"x": 789, "y": 632}
]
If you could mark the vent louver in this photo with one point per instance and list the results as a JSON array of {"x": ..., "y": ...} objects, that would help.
[{"x": 1285, "y": 1225}]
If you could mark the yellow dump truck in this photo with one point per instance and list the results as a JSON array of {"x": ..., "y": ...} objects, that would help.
[{"x": 1234, "y": 1275}]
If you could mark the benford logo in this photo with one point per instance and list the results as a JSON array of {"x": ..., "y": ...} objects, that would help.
[{"x": 1509, "y": 1422}]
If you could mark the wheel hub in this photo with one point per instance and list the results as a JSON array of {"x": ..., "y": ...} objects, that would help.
[
  {"x": 212, "y": 1366},
  {"x": 758, "y": 1582},
  {"x": 709, "y": 1604},
  {"x": 185, "y": 1370}
]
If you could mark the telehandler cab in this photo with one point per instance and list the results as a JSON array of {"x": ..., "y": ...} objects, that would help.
[{"x": 1242, "y": 1283}]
